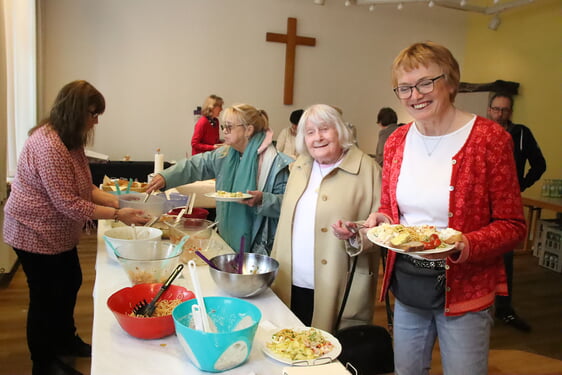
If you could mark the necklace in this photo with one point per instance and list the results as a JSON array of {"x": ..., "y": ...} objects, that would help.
[{"x": 428, "y": 149}]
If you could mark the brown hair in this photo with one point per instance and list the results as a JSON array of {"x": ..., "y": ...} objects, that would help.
[
  {"x": 425, "y": 53},
  {"x": 211, "y": 102},
  {"x": 70, "y": 112}
]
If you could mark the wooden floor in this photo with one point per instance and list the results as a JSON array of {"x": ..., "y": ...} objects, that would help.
[{"x": 538, "y": 298}]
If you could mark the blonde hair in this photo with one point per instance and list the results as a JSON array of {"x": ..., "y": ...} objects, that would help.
[
  {"x": 211, "y": 102},
  {"x": 425, "y": 53},
  {"x": 322, "y": 114},
  {"x": 246, "y": 114}
]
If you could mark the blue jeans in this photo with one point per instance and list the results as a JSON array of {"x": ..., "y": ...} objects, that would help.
[{"x": 463, "y": 340}]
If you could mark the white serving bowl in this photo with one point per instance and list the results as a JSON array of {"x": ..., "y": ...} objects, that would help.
[{"x": 120, "y": 236}]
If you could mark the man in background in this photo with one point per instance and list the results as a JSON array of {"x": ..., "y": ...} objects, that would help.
[
  {"x": 286, "y": 139},
  {"x": 387, "y": 120},
  {"x": 525, "y": 149}
]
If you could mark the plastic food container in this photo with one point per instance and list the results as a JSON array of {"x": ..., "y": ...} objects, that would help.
[
  {"x": 236, "y": 322},
  {"x": 148, "y": 261},
  {"x": 119, "y": 236},
  {"x": 155, "y": 206},
  {"x": 122, "y": 302}
]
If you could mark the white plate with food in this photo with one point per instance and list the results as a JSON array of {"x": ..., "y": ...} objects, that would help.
[
  {"x": 225, "y": 196},
  {"x": 420, "y": 240},
  {"x": 302, "y": 346}
]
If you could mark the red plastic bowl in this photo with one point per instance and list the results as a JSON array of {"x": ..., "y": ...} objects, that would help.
[
  {"x": 121, "y": 303},
  {"x": 196, "y": 213}
]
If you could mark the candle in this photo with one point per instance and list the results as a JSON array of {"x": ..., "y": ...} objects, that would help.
[{"x": 158, "y": 162}]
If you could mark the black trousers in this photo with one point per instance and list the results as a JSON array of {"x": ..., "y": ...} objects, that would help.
[
  {"x": 503, "y": 303},
  {"x": 302, "y": 304},
  {"x": 53, "y": 281}
]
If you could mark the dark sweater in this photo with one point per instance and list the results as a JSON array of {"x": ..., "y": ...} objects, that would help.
[{"x": 525, "y": 148}]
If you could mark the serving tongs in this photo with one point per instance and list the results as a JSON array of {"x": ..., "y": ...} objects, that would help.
[{"x": 147, "y": 309}]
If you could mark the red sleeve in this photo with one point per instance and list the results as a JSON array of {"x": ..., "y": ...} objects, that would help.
[{"x": 198, "y": 138}]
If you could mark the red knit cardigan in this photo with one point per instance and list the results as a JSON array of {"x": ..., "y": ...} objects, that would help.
[{"x": 484, "y": 204}]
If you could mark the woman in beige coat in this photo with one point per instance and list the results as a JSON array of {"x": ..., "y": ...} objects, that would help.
[{"x": 331, "y": 181}]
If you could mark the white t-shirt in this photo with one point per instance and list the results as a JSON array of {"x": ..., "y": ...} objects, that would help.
[
  {"x": 304, "y": 230},
  {"x": 424, "y": 184}
]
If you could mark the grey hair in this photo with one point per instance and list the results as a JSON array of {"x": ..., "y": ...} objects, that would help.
[{"x": 322, "y": 114}]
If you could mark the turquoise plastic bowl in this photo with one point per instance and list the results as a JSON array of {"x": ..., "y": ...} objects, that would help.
[{"x": 236, "y": 321}]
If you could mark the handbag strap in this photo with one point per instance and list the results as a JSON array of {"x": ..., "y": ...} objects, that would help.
[{"x": 389, "y": 314}]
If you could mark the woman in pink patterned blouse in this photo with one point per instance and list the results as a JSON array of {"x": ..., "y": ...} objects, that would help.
[
  {"x": 51, "y": 199},
  {"x": 447, "y": 168}
]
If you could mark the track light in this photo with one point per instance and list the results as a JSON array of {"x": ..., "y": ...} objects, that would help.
[
  {"x": 400, "y": 6},
  {"x": 494, "y": 23},
  {"x": 431, "y": 4},
  {"x": 319, "y": 2},
  {"x": 372, "y": 8},
  {"x": 347, "y": 3},
  {"x": 496, "y": 1},
  {"x": 463, "y": 3}
]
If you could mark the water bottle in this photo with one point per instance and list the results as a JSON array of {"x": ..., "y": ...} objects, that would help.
[
  {"x": 553, "y": 188},
  {"x": 545, "y": 190}
]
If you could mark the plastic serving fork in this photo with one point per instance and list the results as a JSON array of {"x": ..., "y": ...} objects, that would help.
[{"x": 144, "y": 309}]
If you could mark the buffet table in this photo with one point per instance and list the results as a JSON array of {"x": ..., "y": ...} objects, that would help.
[{"x": 115, "y": 352}]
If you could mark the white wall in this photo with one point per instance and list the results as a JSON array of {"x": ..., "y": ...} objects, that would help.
[{"x": 155, "y": 61}]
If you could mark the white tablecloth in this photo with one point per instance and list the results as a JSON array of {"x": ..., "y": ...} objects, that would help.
[{"x": 115, "y": 352}]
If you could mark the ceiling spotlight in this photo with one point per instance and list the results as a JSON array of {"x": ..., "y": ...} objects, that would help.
[
  {"x": 347, "y": 3},
  {"x": 496, "y": 1},
  {"x": 494, "y": 23},
  {"x": 372, "y": 8},
  {"x": 463, "y": 3},
  {"x": 431, "y": 4},
  {"x": 319, "y": 2},
  {"x": 400, "y": 6}
]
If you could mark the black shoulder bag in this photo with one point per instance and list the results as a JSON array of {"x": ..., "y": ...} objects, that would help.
[{"x": 367, "y": 348}]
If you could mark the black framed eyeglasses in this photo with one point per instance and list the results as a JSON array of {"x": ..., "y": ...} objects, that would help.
[
  {"x": 227, "y": 128},
  {"x": 424, "y": 86},
  {"x": 500, "y": 110}
]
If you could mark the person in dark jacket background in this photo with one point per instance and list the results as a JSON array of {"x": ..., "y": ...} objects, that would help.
[
  {"x": 388, "y": 122},
  {"x": 525, "y": 148}
]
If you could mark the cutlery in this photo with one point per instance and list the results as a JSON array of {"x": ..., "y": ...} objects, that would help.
[
  {"x": 199, "y": 295},
  {"x": 241, "y": 255},
  {"x": 129, "y": 186},
  {"x": 146, "y": 198},
  {"x": 144, "y": 309},
  {"x": 180, "y": 215},
  {"x": 117, "y": 188},
  {"x": 152, "y": 221},
  {"x": 207, "y": 260},
  {"x": 191, "y": 203},
  {"x": 182, "y": 242},
  {"x": 197, "y": 319}
]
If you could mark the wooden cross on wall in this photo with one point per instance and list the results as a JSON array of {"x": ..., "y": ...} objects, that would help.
[{"x": 292, "y": 40}]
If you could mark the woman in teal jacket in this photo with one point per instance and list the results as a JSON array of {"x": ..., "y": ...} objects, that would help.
[{"x": 247, "y": 163}]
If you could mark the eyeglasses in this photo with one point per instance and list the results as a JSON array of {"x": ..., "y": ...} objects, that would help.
[
  {"x": 94, "y": 114},
  {"x": 227, "y": 128},
  {"x": 424, "y": 87},
  {"x": 500, "y": 110}
]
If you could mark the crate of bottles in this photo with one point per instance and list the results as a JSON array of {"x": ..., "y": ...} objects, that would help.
[
  {"x": 542, "y": 224},
  {"x": 551, "y": 254},
  {"x": 552, "y": 189}
]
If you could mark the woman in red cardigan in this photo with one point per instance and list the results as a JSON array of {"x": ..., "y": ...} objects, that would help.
[
  {"x": 448, "y": 168},
  {"x": 206, "y": 133}
]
